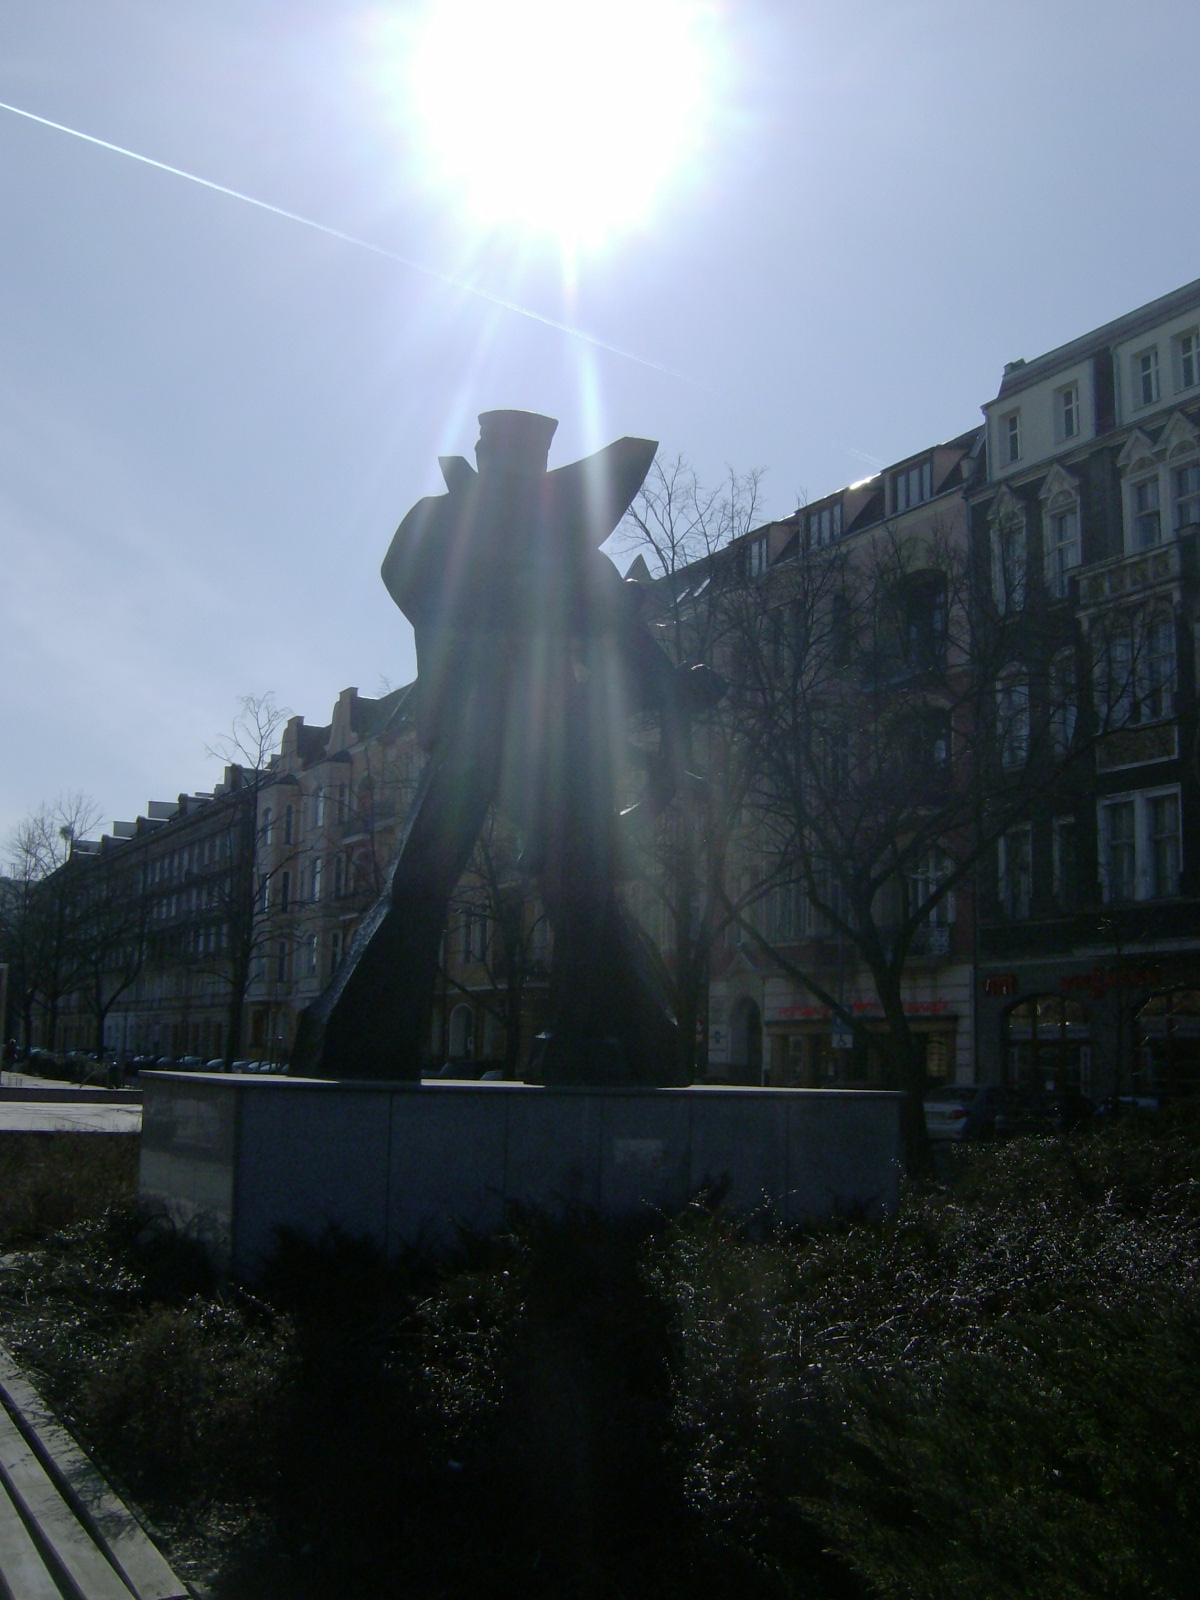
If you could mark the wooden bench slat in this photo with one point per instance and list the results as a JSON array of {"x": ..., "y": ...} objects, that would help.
[
  {"x": 36, "y": 1496},
  {"x": 110, "y": 1521},
  {"x": 22, "y": 1570}
]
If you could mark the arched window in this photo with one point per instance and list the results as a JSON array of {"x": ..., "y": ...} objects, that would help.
[
  {"x": 461, "y": 1034},
  {"x": 1047, "y": 1044}
]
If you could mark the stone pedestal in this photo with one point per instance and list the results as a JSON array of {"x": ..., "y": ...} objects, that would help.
[{"x": 234, "y": 1158}]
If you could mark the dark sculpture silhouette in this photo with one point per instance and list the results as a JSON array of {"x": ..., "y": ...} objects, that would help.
[{"x": 531, "y": 658}]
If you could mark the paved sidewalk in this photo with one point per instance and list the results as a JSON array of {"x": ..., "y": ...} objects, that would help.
[
  {"x": 63, "y": 1531},
  {"x": 44, "y": 1105},
  {"x": 34, "y": 1116}
]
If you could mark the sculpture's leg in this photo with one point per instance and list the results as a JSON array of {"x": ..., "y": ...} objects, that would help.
[
  {"x": 373, "y": 1020},
  {"x": 612, "y": 1022}
]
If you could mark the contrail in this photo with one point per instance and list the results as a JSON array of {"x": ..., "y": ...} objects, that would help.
[{"x": 350, "y": 238}]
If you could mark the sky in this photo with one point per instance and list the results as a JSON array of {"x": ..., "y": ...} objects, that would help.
[{"x": 779, "y": 234}]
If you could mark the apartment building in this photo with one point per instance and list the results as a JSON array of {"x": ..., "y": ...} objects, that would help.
[
  {"x": 329, "y": 823},
  {"x": 857, "y": 823},
  {"x": 1085, "y": 532},
  {"x": 152, "y": 927}
]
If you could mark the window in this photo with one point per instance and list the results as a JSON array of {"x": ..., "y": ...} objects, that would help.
[
  {"x": 1011, "y": 436},
  {"x": 824, "y": 525},
  {"x": 1062, "y": 550},
  {"x": 266, "y": 826},
  {"x": 335, "y": 948},
  {"x": 1015, "y": 862},
  {"x": 319, "y": 807},
  {"x": 312, "y": 955},
  {"x": 317, "y": 873},
  {"x": 1185, "y": 482},
  {"x": 1008, "y": 561},
  {"x": 474, "y": 933},
  {"x": 1114, "y": 677},
  {"x": 924, "y": 881},
  {"x": 1156, "y": 677},
  {"x": 924, "y": 600},
  {"x": 912, "y": 485},
  {"x": 1162, "y": 841},
  {"x": 288, "y": 824},
  {"x": 1145, "y": 377},
  {"x": 1147, "y": 525},
  {"x": 1012, "y": 720},
  {"x": 285, "y": 891},
  {"x": 1140, "y": 848},
  {"x": 1187, "y": 359},
  {"x": 1066, "y": 413},
  {"x": 1136, "y": 670},
  {"x": 1063, "y": 868},
  {"x": 339, "y": 876},
  {"x": 756, "y": 553},
  {"x": 281, "y": 962},
  {"x": 1064, "y": 702}
]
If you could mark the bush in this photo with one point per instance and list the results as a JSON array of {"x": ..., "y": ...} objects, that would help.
[
  {"x": 50, "y": 1180},
  {"x": 996, "y": 1393},
  {"x": 187, "y": 1402}
]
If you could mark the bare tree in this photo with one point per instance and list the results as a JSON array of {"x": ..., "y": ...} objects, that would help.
[
  {"x": 240, "y": 888},
  {"x": 683, "y": 534},
  {"x": 41, "y": 928},
  {"x": 897, "y": 728}
]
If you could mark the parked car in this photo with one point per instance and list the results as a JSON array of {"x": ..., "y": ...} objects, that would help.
[{"x": 967, "y": 1111}]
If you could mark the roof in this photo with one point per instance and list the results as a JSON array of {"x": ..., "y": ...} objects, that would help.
[{"x": 1021, "y": 375}]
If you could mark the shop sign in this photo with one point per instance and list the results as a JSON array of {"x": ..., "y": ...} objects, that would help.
[
  {"x": 869, "y": 1009},
  {"x": 1098, "y": 981}
]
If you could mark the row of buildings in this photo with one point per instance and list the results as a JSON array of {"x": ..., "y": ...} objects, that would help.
[{"x": 961, "y": 801}]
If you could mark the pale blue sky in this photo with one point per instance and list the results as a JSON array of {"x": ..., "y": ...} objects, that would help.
[{"x": 212, "y": 417}]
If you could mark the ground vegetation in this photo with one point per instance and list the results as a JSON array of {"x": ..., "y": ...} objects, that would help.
[{"x": 994, "y": 1392}]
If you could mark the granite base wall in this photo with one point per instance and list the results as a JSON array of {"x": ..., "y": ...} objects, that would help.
[{"x": 232, "y": 1159}]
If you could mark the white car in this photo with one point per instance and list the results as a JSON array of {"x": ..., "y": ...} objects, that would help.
[{"x": 967, "y": 1111}]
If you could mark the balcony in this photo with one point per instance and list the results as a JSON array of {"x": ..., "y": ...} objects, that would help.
[{"x": 1125, "y": 577}]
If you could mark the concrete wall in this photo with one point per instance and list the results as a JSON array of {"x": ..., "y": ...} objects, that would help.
[{"x": 235, "y": 1158}]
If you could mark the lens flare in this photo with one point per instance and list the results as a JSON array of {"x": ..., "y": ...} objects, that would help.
[{"x": 566, "y": 118}]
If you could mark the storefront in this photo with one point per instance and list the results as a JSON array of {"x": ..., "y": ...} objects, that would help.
[
  {"x": 766, "y": 1029},
  {"x": 1124, "y": 1026}
]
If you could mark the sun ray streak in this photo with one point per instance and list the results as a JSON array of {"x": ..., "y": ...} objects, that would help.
[{"x": 352, "y": 239}]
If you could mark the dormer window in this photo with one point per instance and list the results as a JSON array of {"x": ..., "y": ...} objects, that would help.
[
  {"x": 824, "y": 525},
  {"x": 1010, "y": 426},
  {"x": 912, "y": 485},
  {"x": 1066, "y": 413},
  {"x": 1187, "y": 359},
  {"x": 756, "y": 556},
  {"x": 1145, "y": 377}
]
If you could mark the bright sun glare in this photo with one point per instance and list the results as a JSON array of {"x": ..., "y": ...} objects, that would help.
[{"x": 572, "y": 117}]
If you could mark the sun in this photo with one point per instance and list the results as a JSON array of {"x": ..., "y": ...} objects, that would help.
[{"x": 571, "y": 117}]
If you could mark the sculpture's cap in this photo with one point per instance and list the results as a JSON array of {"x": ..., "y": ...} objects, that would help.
[{"x": 514, "y": 441}]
